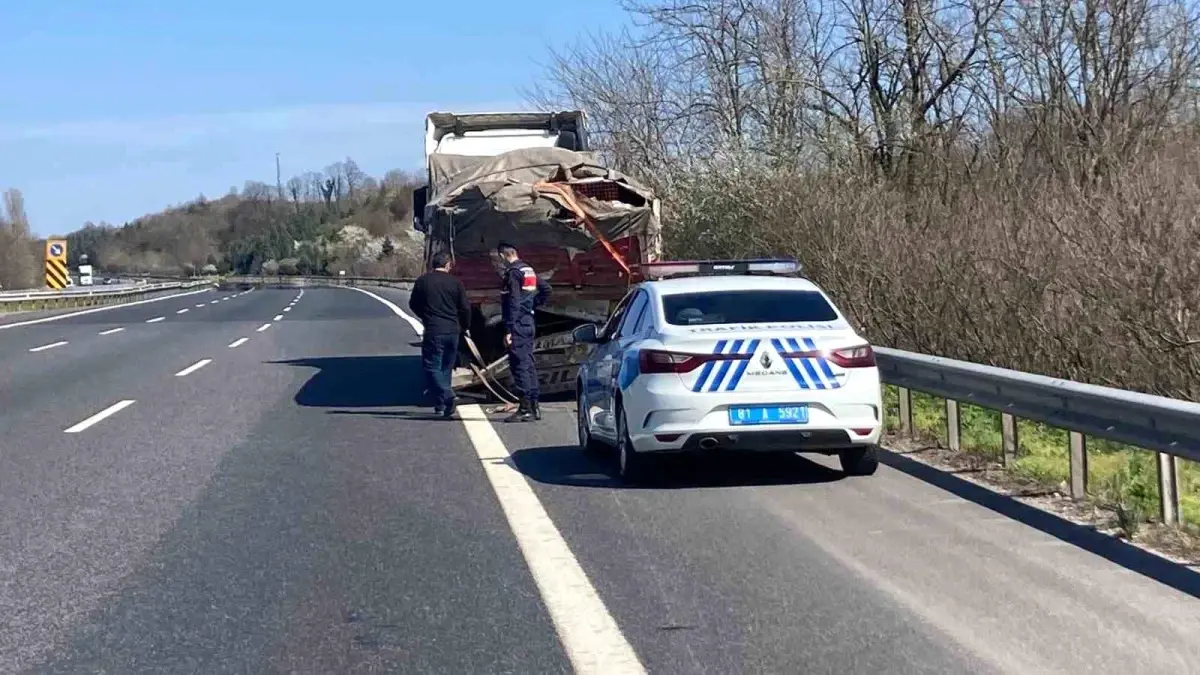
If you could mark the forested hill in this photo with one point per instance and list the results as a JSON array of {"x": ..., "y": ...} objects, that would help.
[{"x": 314, "y": 223}]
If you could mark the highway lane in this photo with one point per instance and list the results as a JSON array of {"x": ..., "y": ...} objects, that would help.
[
  {"x": 286, "y": 508},
  {"x": 757, "y": 566},
  {"x": 70, "y": 502},
  {"x": 8, "y": 316},
  {"x": 83, "y": 355},
  {"x": 241, "y": 519},
  {"x": 30, "y": 330}
]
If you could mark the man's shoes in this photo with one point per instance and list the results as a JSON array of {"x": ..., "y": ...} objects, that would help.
[
  {"x": 536, "y": 410},
  {"x": 451, "y": 408},
  {"x": 524, "y": 412},
  {"x": 439, "y": 410}
]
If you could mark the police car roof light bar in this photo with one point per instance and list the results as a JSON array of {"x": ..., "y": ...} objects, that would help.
[{"x": 675, "y": 268}]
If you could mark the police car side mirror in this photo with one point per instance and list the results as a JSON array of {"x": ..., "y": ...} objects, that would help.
[{"x": 585, "y": 334}]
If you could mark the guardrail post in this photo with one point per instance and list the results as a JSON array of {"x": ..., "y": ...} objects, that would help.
[
  {"x": 1168, "y": 488},
  {"x": 953, "y": 426},
  {"x": 1079, "y": 464},
  {"x": 906, "y": 416},
  {"x": 1008, "y": 437}
]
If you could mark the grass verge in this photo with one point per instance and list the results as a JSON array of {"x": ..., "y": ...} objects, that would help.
[{"x": 1121, "y": 479}]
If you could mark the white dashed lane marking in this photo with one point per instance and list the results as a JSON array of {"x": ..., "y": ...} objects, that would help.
[
  {"x": 156, "y": 319},
  {"x": 49, "y": 346},
  {"x": 263, "y": 327},
  {"x": 238, "y": 342},
  {"x": 193, "y": 368},
  {"x": 110, "y": 331},
  {"x": 99, "y": 417}
]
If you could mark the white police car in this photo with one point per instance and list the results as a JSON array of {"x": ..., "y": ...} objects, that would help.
[{"x": 728, "y": 356}]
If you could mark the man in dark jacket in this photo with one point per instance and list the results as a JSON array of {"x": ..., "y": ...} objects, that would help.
[
  {"x": 522, "y": 292},
  {"x": 439, "y": 300}
]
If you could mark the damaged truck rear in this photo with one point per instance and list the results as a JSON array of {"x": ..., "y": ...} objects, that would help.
[{"x": 531, "y": 179}]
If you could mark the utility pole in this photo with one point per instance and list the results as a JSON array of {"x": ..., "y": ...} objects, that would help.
[{"x": 278, "y": 178}]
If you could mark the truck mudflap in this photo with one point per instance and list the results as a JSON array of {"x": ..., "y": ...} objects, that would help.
[{"x": 557, "y": 358}]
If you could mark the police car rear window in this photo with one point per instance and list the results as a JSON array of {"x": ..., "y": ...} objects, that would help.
[{"x": 759, "y": 306}]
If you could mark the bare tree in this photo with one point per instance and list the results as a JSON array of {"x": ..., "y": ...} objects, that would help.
[{"x": 1009, "y": 182}]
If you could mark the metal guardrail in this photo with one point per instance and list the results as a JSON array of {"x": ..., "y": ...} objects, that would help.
[
  {"x": 296, "y": 280},
  {"x": 96, "y": 295},
  {"x": 1167, "y": 426},
  {"x": 72, "y": 290}
]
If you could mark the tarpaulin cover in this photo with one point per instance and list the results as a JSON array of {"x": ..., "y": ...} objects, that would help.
[{"x": 477, "y": 202}]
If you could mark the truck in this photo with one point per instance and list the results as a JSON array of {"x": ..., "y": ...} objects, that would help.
[{"x": 532, "y": 180}]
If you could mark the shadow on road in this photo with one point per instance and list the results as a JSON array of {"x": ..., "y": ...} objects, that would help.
[
  {"x": 361, "y": 382},
  {"x": 1110, "y": 548},
  {"x": 568, "y": 465}
]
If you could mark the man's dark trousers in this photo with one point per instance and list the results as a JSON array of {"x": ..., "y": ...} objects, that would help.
[
  {"x": 439, "y": 353},
  {"x": 520, "y": 360}
]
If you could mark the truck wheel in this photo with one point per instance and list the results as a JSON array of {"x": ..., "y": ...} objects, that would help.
[{"x": 860, "y": 461}]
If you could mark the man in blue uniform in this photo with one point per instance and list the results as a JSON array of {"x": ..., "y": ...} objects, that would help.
[{"x": 522, "y": 293}]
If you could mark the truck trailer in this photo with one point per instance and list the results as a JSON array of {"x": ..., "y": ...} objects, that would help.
[{"x": 530, "y": 179}]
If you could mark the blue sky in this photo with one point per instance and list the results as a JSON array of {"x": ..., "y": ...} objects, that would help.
[{"x": 110, "y": 110}]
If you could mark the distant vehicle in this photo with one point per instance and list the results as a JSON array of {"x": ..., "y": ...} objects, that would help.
[
  {"x": 85, "y": 275},
  {"x": 728, "y": 356}
]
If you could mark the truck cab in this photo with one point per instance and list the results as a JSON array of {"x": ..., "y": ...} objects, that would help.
[{"x": 491, "y": 134}]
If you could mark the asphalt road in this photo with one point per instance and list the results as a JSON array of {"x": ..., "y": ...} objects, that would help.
[{"x": 203, "y": 494}]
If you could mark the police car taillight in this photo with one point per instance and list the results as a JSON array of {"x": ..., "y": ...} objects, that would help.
[
  {"x": 662, "y": 270},
  {"x": 861, "y": 356},
  {"x": 661, "y": 361}
]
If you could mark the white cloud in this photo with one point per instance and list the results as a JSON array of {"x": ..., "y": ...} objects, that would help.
[{"x": 191, "y": 129}]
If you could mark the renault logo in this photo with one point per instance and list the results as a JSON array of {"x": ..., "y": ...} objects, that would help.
[{"x": 765, "y": 360}]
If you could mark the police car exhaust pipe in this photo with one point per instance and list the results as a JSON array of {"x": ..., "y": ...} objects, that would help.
[{"x": 708, "y": 443}]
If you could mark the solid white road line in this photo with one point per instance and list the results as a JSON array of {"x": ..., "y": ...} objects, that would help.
[
  {"x": 49, "y": 346},
  {"x": 416, "y": 325},
  {"x": 182, "y": 311},
  {"x": 591, "y": 637},
  {"x": 238, "y": 342},
  {"x": 263, "y": 327},
  {"x": 99, "y": 417},
  {"x": 59, "y": 317},
  {"x": 193, "y": 368},
  {"x": 110, "y": 331},
  {"x": 156, "y": 319},
  {"x": 277, "y": 317}
]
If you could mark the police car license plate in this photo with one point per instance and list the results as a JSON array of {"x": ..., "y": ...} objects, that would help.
[{"x": 768, "y": 414}]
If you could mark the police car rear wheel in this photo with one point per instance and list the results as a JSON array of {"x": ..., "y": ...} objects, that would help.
[
  {"x": 634, "y": 466},
  {"x": 860, "y": 461}
]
